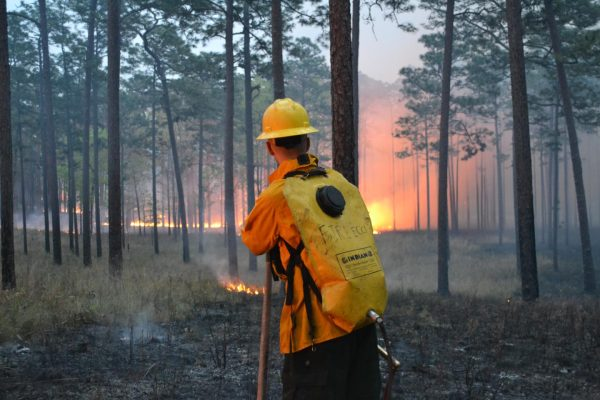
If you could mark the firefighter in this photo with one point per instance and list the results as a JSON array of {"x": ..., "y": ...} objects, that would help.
[{"x": 321, "y": 359}]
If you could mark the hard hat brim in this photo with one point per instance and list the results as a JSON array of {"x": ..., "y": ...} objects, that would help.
[{"x": 287, "y": 133}]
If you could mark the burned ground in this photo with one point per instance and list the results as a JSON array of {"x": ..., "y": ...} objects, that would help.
[
  {"x": 464, "y": 346},
  {"x": 454, "y": 348}
]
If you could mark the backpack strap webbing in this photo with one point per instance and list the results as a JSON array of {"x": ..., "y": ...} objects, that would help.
[
  {"x": 308, "y": 282},
  {"x": 276, "y": 265},
  {"x": 316, "y": 171}
]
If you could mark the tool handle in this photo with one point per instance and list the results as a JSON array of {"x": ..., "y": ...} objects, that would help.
[{"x": 263, "y": 360}]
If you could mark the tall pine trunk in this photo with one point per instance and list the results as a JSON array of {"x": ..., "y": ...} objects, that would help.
[
  {"x": 452, "y": 205},
  {"x": 355, "y": 91},
  {"x": 22, "y": 174},
  {"x": 71, "y": 191},
  {"x": 115, "y": 251},
  {"x": 201, "y": 187},
  {"x": 418, "y": 184},
  {"x": 228, "y": 145},
  {"x": 154, "y": 199},
  {"x": 342, "y": 109},
  {"x": 455, "y": 214},
  {"x": 499, "y": 172},
  {"x": 542, "y": 193},
  {"x": 427, "y": 178},
  {"x": 522, "y": 155},
  {"x": 277, "y": 49},
  {"x": 168, "y": 177},
  {"x": 137, "y": 204},
  {"x": 589, "y": 278},
  {"x": 50, "y": 139},
  {"x": 87, "y": 96},
  {"x": 252, "y": 265},
  {"x": 44, "y": 150},
  {"x": 96, "y": 138},
  {"x": 9, "y": 280},
  {"x": 443, "y": 241},
  {"x": 555, "y": 197}
]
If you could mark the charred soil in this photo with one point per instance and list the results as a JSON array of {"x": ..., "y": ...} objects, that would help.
[
  {"x": 63, "y": 335},
  {"x": 454, "y": 348}
]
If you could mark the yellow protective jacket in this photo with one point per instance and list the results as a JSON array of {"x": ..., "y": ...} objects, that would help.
[{"x": 272, "y": 220}]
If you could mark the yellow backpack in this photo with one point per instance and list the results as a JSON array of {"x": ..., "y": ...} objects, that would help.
[{"x": 346, "y": 272}]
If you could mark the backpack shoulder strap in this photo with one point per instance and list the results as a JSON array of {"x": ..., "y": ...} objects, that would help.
[{"x": 316, "y": 171}]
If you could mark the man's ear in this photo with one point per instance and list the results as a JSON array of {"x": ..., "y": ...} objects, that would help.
[
  {"x": 270, "y": 148},
  {"x": 307, "y": 143}
]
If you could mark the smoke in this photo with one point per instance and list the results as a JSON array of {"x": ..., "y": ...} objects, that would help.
[{"x": 35, "y": 221}]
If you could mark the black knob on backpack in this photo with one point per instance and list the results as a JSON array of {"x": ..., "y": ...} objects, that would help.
[{"x": 331, "y": 200}]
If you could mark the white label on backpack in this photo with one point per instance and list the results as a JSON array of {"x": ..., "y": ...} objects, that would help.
[{"x": 359, "y": 262}]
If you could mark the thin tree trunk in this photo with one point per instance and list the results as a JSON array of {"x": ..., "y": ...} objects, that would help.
[
  {"x": 342, "y": 108},
  {"x": 589, "y": 278},
  {"x": 252, "y": 264},
  {"x": 451, "y": 189},
  {"x": 555, "y": 197},
  {"x": 427, "y": 178},
  {"x": 455, "y": 215},
  {"x": 75, "y": 225},
  {"x": 115, "y": 251},
  {"x": 499, "y": 179},
  {"x": 521, "y": 143},
  {"x": 468, "y": 208},
  {"x": 168, "y": 176},
  {"x": 418, "y": 182},
  {"x": 482, "y": 195},
  {"x": 566, "y": 189},
  {"x": 176, "y": 164},
  {"x": 137, "y": 203},
  {"x": 277, "y": 49},
  {"x": 71, "y": 192},
  {"x": 50, "y": 139},
  {"x": 96, "y": 167},
  {"x": 549, "y": 205},
  {"x": 154, "y": 200},
  {"x": 44, "y": 145},
  {"x": 355, "y": 93},
  {"x": 9, "y": 280},
  {"x": 228, "y": 142},
  {"x": 87, "y": 96},
  {"x": 443, "y": 241},
  {"x": 201, "y": 187},
  {"x": 174, "y": 215},
  {"x": 543, "y": 195},
  {"x": 22, "y": 175},
  {"x": 123, "y": 217}
]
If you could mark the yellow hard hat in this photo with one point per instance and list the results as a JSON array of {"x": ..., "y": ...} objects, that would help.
[{"x": 285, "y": 118}]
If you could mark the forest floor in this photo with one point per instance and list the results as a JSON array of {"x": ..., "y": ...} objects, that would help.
[{"x": 480, "y": 343}]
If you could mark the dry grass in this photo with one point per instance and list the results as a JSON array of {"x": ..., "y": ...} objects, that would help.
[
  {"x": 157, "y": 288},
  {"x": 478, "y": 267},
  {"x": 161, "y": 288},
  {"x": 410, "y": 262}
]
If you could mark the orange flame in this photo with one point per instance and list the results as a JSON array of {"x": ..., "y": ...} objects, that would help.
[{"x": 241, "y": 287}]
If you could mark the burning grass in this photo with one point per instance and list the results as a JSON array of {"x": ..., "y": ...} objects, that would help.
[{"x": 241, "y": 287}]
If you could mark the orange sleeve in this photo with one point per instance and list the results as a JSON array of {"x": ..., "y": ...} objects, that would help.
[{"x": 261, "y": 230}]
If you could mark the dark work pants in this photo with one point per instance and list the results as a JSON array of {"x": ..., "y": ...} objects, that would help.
[{"x": 345, "y": 368}]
